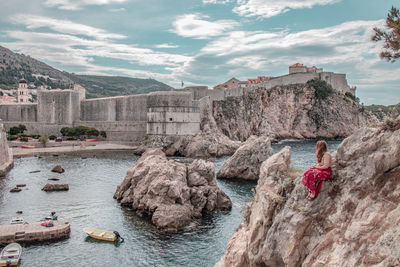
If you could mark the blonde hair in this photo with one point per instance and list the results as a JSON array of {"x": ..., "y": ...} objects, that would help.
[{"x": 320, "y": 148}]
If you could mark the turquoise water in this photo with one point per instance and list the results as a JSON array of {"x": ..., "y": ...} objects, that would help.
[{"x": 90, "y": 203}]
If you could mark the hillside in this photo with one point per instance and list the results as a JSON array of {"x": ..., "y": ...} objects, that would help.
[
  {"x": 383, "y": 112},
  {"x": 100, "y": 86},
  {"x": 14, "y": 66}
]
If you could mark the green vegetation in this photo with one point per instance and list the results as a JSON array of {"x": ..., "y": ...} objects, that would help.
[
  {"x": 79, "y": 131},
  {"x": 17, "y": 130},
  {"x": 12, "y": 137},
  {"x": 101, "y": 86},
  {"x": 52, "y": 137},
  {"x": 43, "y": 140},
  {"x": 103, "y": 134},
  {"x": 352, "y": 97},
  {"x": 322, "y": 88},
  {"x": 391, "y": 37},
  {"x": 383, "y": 111},
  {"x": 230, "y": 106},
  {"x": 24, "y": 139}
]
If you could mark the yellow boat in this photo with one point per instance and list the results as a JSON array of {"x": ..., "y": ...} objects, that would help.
[
  {"x": 10, "y": 255},
  {"x": 100, "y": 234}
]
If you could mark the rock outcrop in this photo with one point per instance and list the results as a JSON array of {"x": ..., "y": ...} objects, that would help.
[
  {"x": 58, "y": 169},
  {"x": 355, "y": 221},
  {"x": 6, "y": 156},
  {"x": 246, "y": 162},
  {"x": 171, "y": 193},
  {"x": 292, "y": 111},
  {"x": 55, "y": 187},
  {"x": 210, "y": 142}
]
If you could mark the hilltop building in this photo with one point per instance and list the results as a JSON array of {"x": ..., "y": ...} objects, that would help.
[
  {"x": 300, "y": 68},
  {"x": 230, "y": 84}
]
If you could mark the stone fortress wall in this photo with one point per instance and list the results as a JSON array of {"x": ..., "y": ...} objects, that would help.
[
  {"x": 6, "y": 158},
  {"x": 131, "y": 118}
]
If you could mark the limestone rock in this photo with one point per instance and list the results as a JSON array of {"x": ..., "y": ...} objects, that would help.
[
  {"x": 58, "y": 169},
  {"x": 55, "y": 187},
  {"x": 290, "y": 111},
  {"x": 15, "y": 190},
  {"x": 355, "y": 220},
  {"x": 172, "y": 193},
  {"x": 247, "y": 160}
]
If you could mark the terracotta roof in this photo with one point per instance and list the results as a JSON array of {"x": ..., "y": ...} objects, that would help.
[{"x": 296, "y": 65}]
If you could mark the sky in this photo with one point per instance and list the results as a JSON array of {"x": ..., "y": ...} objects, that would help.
[{"x": 206, "y": 42}]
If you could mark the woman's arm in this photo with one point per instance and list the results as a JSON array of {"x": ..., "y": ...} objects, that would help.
[{"x": 325, "y": 162}]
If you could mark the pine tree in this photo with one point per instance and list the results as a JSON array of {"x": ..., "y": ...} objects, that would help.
[{"x": 391, "y": 37}]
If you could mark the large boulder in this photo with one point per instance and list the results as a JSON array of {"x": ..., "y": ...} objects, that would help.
[
  {"x": 58, "y": 169},
  {"x": 355, "y": 220},
  {"x": 245, "y": 163},
  {"x": 172, "y": 193}
]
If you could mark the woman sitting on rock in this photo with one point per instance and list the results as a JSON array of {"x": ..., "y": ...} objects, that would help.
[{"x": 316, "y": 174}]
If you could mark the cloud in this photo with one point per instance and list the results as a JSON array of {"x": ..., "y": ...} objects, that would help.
[
  {"x": 118, "y": 9},
  {"x": 63, "y": 26},
  {"x": 216, "y": 1},
  {"x": 270, "y": 8},
  {"x": 194, "y": 26},
  {"x": 166, "y": 46},
  {"x": 78, "y": 4}
]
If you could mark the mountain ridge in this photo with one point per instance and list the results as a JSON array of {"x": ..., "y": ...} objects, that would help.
[{"x": 14, "y": 66}]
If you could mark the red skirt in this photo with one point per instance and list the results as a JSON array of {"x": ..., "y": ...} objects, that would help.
[{"x": 313, "y": 179}]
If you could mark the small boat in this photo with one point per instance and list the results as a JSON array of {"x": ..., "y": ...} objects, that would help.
[
  {"x": 102, "y": 234},
  {"x": 91, "y": 145},
  {"x": 92, "y": 140},
  {"x": 17, "y": 220},
  {"x": 27, "y": 146},
  {"x": 10, "y": 255}
]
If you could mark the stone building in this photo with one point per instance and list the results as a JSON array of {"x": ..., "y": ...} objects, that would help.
[
  {"x": 6, "y": 158},
  {"x": 300, "y": 68},
  {"x": 23, "y": 92}
]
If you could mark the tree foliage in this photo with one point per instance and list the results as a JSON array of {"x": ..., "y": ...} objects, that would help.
[
  {"x": 79, "y": 131},
  {"x": 322, "y": 88},
  {"x": 391, "y": 37}
]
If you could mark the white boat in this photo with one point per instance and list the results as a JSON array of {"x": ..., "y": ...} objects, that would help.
[
  {"x": 10, "y": 255},
  {"x": 17, "y": 220}
]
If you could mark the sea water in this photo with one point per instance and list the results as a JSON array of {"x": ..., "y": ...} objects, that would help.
[{"x": 89, "y": 203}]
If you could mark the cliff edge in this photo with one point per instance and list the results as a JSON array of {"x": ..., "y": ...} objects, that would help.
[
  {"x": 309, "y": 110},
  {"x": 355, "y": 221},
  {"x": 6, "y": 157}
]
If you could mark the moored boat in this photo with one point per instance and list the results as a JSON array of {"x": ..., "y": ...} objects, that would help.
[
  {"x": 10, "y": 255},
  {"x": 17, "y": 220},
  {"x": 92, "y": 140},
  {"x": 102, "y": 234},
  {"x": 27, "y": 146}
]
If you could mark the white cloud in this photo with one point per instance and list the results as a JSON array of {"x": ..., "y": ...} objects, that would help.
[
  {"x": 269, "y": 8},
  {"x": 194, "y": 25},
  {"x": 166, "y": 46},
  {"x": 216, "y": 1},
  {"x": 78, "y": 4},
  {"x": 63, "y": 26},
  {"x": 118, "y": 9}
]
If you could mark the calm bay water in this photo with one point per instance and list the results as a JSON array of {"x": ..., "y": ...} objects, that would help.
[{"x": 89, "y": 203}]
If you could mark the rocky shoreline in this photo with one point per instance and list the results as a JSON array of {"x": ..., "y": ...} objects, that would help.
[{"x": 355, "y": 221}]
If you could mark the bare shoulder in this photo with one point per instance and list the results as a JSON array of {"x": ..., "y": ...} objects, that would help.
[{"x": 327, "y": 154}]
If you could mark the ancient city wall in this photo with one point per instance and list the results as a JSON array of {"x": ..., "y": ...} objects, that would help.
[
  {"x": 172, "y": 113},
  {"x": 119, "y": 131},
  {"x": 58, "y": 106},
  {"x": 18, "y": 112},
  {"x": 6, "y": 158},
  {"x": 338, "y": 81},
  {"x": 121, "y": 108}
]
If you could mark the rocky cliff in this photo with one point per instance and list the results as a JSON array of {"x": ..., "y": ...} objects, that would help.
[
  {"x": 355, "y": 221},
  {"x": 293, "y": 111},
  {"x": 6, "y": 157},
  {"x": 171, "y": 193}
]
